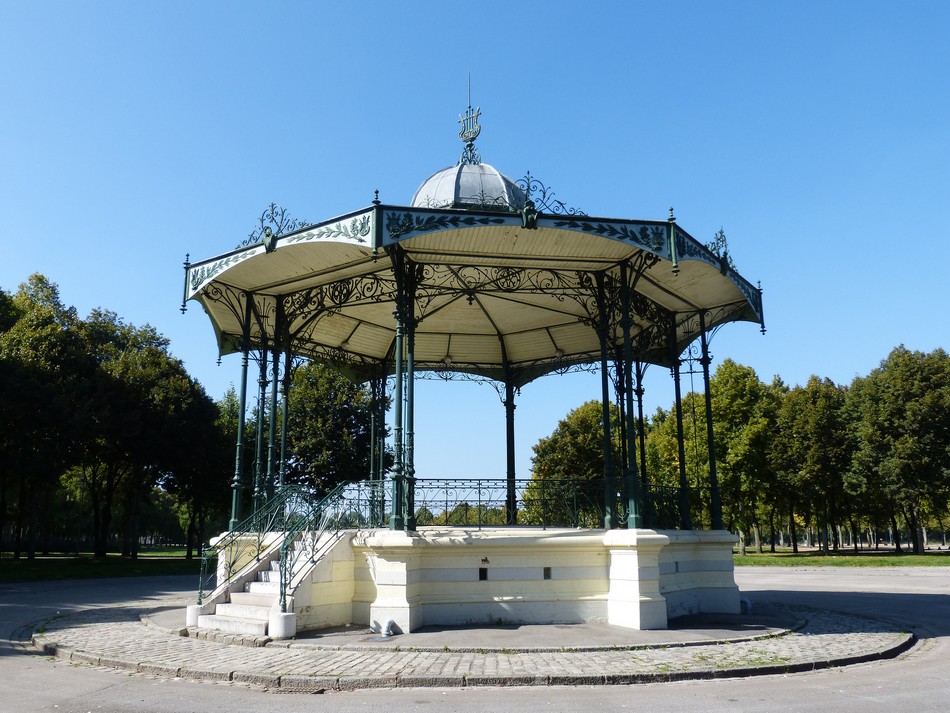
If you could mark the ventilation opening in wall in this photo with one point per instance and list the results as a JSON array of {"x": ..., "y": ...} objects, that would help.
[
  {"x": 482, "y": 574},
  {"x": 547, "y": 573}
]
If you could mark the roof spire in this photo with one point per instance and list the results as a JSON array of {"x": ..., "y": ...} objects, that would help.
[{"x": 470, "y": 130}]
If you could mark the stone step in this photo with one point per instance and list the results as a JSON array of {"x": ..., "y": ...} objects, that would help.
[
  {"x": 256, "y": 600},
  {"x": 242, "y": 611},
  {"x": 233, "y": 625},
  {"x": 269, "y": 575},
  {"x": 263, "y": 587}
]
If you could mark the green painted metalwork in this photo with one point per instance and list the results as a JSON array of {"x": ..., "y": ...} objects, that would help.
[
  {"x": 650, "y": 236},
  {"x": 311, "y": 527},
  {"x": 241, "y": 545},
  {"x": 409, "y": 463},
  {"x": 402, "y": 224},
  {"x": 259, "y": 491},
  {"x": 357, "y": 229},
  {"x": 398, "y": 519},
  {"x": 685, "y": 518},
  {"x": 715, "y": 502},
  {"x": 238, "y": 485},
  {"x": 610, "y": 495},
  {"x": 542, "y": 502},
  {"x": 632, "y": 477}
]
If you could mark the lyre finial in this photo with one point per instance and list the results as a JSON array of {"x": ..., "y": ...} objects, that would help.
[{"x": 470, "y": 129}]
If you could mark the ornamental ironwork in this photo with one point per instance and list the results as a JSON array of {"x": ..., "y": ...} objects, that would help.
[
  {"x": 400, "y": 224},
  {"x": 719, "y": 247},
  {"x": 478, "y": 201},
  {"x": 542, "y": 198},
  {"x": 651, "y": 237},
  {"x": 357, "y": 229},
  {"x": 469, "y": 132},
  {"x": 274, "y": 222},
  {"x": 202, "y": 273}
]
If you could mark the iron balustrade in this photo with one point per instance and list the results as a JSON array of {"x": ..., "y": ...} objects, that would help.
[
  {"x": 541, "y": 502},
  {"x": 291, "y": 510},
  {"x": 306, "y": 523}
]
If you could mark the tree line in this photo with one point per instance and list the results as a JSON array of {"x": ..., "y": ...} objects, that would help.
[
  {"x": 106, "y": 440},
  {"x": 839, "y": 465}
]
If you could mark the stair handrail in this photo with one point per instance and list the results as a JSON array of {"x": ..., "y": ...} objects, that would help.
[
  {"x": 248, "y": 540},
  {"x": 316, "y": 519}
]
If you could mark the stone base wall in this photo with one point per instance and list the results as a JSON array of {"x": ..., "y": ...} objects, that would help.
[
  {"x": 455, "y": 576},
  {"x": 696, "y": 573}
]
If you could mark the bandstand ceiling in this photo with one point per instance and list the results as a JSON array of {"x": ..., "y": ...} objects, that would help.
[{"x": 496, "y": 293}]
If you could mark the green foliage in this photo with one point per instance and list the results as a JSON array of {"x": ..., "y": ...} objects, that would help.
[
  {"x": 901, "y": 413},
  {"x": 329, "y": 428},
  {"x": 96, "y": 417},
  {"x": 567, "y": 471},
  {"x": 743, "y": 423},
  {"x": 865, "y": 459}
]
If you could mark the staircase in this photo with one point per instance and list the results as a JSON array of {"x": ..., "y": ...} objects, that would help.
[
  {"x": 248, "y": 611},
  {"x": 291, "y": 524}
]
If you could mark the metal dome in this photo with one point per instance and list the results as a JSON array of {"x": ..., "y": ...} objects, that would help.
[{"x": 469, "y": 185}]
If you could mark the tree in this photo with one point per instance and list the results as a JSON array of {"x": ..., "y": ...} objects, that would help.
[
  {"x": 902, "y": 429},
  {"x": 663, "y": 463},
  {"x": 329, "y": 428},
  {"x": 743, "y": 422},
  {"x": 567, "y": 469},
  {"x": 201, "y": 466},
  {"x": 810, "y": 452},
  {"x": 43, "y": 367}
]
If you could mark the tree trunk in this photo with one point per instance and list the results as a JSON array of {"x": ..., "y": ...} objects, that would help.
[
  {"x": 190, "y": 535},
  {"x": 3, "y": 507},
  {"x": 916, "y": 532},
  {"x": 31, "y": 525},
  {"x": 772, "y": 530},
  {"x": 896, "y": 534},
  {"x": 792, "y": 531}
]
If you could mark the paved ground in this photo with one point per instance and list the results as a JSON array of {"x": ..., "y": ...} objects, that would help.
[
  {"x": 776, "y": 638},
  {"x": 898, "y": 599}
]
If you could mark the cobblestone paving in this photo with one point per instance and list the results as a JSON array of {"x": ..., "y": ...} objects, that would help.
[{"x": 117, "y": 638}]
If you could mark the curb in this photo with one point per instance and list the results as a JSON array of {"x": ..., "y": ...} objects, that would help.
[{"x": 319, "y": 684}]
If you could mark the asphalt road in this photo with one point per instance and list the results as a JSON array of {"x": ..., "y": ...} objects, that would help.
[{"x": 914, "y": 598}]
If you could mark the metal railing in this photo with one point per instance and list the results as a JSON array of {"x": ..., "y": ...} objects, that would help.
[
  {"x": 245, "y": 543},
  {"x": 306, "y": 523},
  {"x": 539, "y": 502},
  {"x": 313, "y": 527}
]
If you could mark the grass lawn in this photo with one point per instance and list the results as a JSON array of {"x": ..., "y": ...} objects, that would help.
[
  {"x": 83, "y": 566},
  {"x": 844, "y": 558}
]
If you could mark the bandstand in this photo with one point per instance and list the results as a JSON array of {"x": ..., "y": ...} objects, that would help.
[{"x": 493, "y": 279}]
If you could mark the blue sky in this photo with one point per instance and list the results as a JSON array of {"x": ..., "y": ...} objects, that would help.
[{"x": 816, "y": 134}]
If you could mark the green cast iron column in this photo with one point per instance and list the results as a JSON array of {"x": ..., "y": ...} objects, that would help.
[
  {"x": 285, "y": 414},
  {"x": 641, "y": 430},
  {"x": 685, "y": 518},
  {"x": 410, "y": 464},
  {"x": 237, "y": 485},
  {"x": 609, "y": 495},
  {"x": 634, "y": 516},
  {"x": 715, "y": 499},
  {"x": 398, "y": 520},
  {"x": 259, "y": 446},
  {"x": 381, "y": 454},
  {"x": 272, "y": 424},
  {"x": 646, "y": 498},
  {"x": 511, "y": 498}
]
